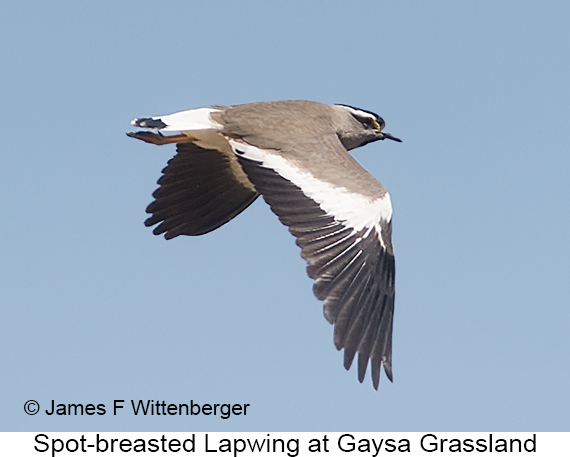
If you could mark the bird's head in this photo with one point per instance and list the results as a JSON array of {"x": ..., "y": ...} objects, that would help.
[{"x": 359, "y": 127}]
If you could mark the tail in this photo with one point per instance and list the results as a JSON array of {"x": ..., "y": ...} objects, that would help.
[
  {"x": 148, "y": 123},
  {"x": 196, "y": 119}
]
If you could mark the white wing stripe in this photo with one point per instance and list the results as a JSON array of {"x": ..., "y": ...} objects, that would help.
[{"x": 353, "y": 210}]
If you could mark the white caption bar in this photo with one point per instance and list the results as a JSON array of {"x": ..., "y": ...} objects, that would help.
[{"x": 283, "y": 444}]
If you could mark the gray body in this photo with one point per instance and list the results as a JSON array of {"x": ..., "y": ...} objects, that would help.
[{"x": 312, "y": 135}]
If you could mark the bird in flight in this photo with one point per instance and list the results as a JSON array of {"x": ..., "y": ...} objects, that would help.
[{"x": 295, "y": 154}]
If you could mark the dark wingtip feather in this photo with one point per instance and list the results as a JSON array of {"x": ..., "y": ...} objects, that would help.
[
  {"x": 388, "y": 371},
  {"x": 362, "y": 365},
  {"x": 348, "y": 357},
  {"x": 376, "y": 373}
]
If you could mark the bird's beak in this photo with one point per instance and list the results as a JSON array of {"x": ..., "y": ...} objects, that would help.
[{"x": 390, "y": 137}]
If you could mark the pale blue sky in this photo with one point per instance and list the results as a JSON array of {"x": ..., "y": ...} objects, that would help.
[{"x": 95, "y": 308}]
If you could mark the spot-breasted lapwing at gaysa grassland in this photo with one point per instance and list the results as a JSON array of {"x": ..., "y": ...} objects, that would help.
[{"x": 293, "y": 153}]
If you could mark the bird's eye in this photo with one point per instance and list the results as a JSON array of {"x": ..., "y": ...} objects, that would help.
[
  {"x": 379, "y": 123},
  {"x": 369, "y": 122}
]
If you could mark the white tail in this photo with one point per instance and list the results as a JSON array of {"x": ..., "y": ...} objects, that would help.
[{"x": 195, "y": 119}]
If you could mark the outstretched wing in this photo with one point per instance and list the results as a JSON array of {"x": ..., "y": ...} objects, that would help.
[
  {"x": 345, "y": 237},
  {"x": 200, "y": 190}
]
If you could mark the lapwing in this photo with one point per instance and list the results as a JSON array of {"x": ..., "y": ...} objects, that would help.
[{"x": 295, "y": 154}]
